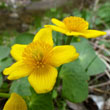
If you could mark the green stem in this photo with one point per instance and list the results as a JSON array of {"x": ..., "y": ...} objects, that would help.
[
  {"x": 5, "y": 95},
  {"x": 69, "y": 40},
  {"x": 3, "y": 90},
  {"x": 63, "y": 40},
  {"x": 59, "y": 68}
]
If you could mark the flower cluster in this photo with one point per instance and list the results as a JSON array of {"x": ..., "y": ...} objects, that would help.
[{"x": 39, "y": 59}]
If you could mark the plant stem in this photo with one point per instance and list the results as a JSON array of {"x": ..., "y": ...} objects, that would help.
[
  {"x": 5, "y": 95},
  {"x": 69, "y": 40}
]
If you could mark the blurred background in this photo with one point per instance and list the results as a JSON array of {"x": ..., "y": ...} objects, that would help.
[
  {"x": 25, "y": 17},
  {"x": 22, "y": 15}
]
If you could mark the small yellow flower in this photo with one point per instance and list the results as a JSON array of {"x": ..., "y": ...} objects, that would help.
[
  {"x": 15, "y": 102},
  {"x": 74, "y": 26},
  {"x": 38, "y": 60}
]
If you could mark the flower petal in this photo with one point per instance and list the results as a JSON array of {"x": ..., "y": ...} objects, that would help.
[
  {"x": 64, "y": 31},
  {"x": 17, "y": 70},
  {"x": 63, "y": 54},
  {"x": 43, "y": 80},
  {"x": 58, "y": 29},
  {"x": 44, "y": 35},
  {"x": 74, "y": 33},
  {"x": 92, "y": 33},
  {"x": 15, "y": 102},
  {"x": 17, "y": 51},
  {"x": 58, "y": 22}
]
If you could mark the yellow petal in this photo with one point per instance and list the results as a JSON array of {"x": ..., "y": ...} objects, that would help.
[
  {"x": 87, "y": 33},
  {"x": 44, "y": 35},
  {"x": 58, "y": 29},
  {"x": 17, "y": 70},
  {"x": 58, "y": 22},
  {"x": 63, "y": 54},
  {"x": 74, "y": 33},
  {"x": 17, "y": 51},
  {"x": 43, "y": 80},
  {"x": 93, "y": 33},
  {"x": 64, "y": 31},
  {"x": 15, "y": 102}
]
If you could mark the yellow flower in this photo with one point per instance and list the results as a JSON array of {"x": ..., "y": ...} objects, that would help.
[
  {"x": 15, "y": 102},
  {"x": 74, "y": 26},
  {"x": 38, "y": 60}
]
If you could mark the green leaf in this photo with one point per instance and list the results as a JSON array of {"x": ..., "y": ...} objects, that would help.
[
  {"x": 86, "y": 53},
  {"x": 97, "y": 66},
  {"x": 103, "y": 12},
  {"x": 5, "y": 63},
  {"x": 90, "y": 62},
  {"x": 24, "y": 38},
  {"x": 75, "y": 87},
  {"x": 21, "y": 86},
  {"x": 4, "y": 52},
  {"x": 1, "y": 80},
  {"x": 41, "y": 101}
]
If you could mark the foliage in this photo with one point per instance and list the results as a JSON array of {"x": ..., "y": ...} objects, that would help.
[
  {"x": 75, "y": 87},
  {"x": 18, "y": 85},
  {"x": 90, "y": 62},
  {"x": 41, "y": 101},
  {"x": 73, "y": 76}
]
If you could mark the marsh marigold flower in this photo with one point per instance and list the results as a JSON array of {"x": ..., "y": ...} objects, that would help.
[
  {"x": 74, "y": 26},
  {"x": 38, "y": 60},
  {"x": 15, "y": 102}
]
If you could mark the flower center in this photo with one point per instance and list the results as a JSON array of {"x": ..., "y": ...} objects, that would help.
[
  {"x": 36, "y": 54},
  {"x": 75, "y": 24}
]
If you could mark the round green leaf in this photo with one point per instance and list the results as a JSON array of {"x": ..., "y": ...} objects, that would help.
[
  {"x": 41, "y": 101},
  {"x": 4, "y": 52},
  {"x": 24, "y": 38},
  {"x": 90, "y": 62},
  {"x": 21, "y": 86},
  {"x": 75, "y": 87},
  {"x": 5, "y": 63}
]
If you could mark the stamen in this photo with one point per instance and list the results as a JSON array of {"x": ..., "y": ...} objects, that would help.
[
  {"x": 36, "y": 54},
  {"x": 75, "y": 24},
  {"x": 38, "y": 66},
  {"x": 42, "y": 66}
]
